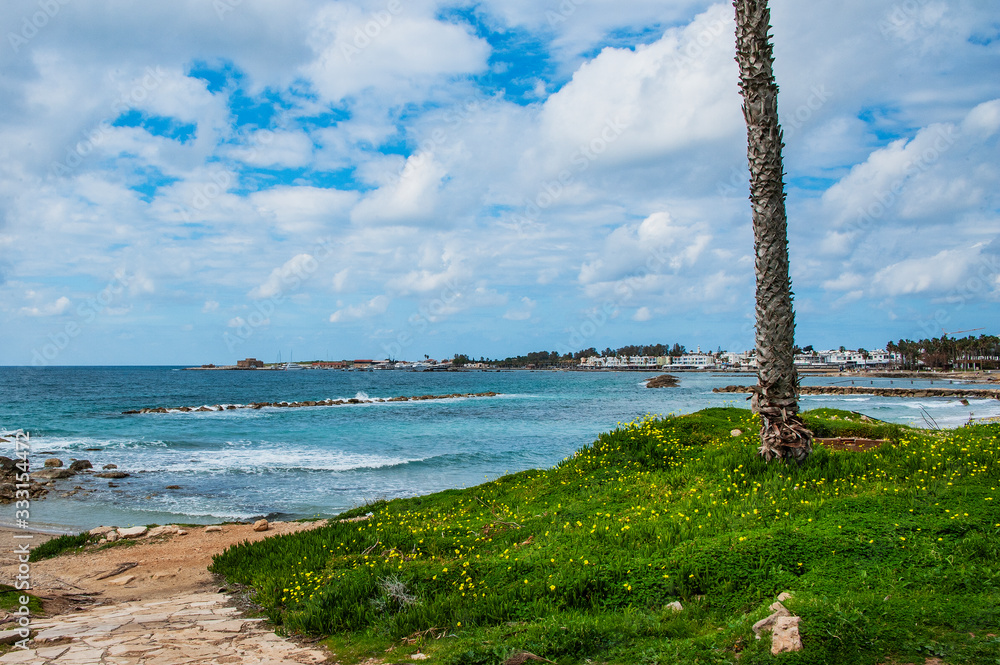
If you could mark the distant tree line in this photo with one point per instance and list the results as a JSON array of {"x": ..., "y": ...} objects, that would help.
[
  {"x": 555, "y": 359},
  {"x": 945, "y": 352}
]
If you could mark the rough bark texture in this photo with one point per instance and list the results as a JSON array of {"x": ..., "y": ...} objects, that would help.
[{"x": 783, "y": 434}]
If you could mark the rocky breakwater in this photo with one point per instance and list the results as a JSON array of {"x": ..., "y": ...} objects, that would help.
[
  {"x": 309, "y": 403},
  {"x": 958, "y": 393}
]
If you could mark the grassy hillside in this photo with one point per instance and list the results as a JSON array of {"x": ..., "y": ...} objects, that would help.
[{"x": 892, "y": 554}]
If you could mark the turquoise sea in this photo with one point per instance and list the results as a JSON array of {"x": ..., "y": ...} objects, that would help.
[{"x": 290, "y": 463}]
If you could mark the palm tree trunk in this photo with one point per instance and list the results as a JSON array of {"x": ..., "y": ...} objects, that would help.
[{"x": 783, "y": 434}]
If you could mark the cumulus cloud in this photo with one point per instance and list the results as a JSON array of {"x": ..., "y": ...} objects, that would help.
[
  {"x": 286, "y": 278},
  {"x": 375, "y": 306}
]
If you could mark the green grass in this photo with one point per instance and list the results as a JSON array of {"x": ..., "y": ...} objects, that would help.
[
  {"x": 60, "y": 545},
  {"x": 891, "y": 554},
  {"x": 10, "y": 600}
]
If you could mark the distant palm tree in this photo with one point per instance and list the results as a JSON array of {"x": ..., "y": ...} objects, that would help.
[{"x": 783, "y": 434}]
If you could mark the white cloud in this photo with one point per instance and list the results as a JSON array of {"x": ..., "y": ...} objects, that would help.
[
  {"x": 289, "y": 277},
  {"x": 523, "y": 312},
  {"x": 375, "y": 306},
  {"x": 210, "y": 306},
  {"x": 642, "y": 314},
  {"x": 282, "y": 149},
  {"x": 52, "y": 309},
  {"x": 948, "y": 270},
  {"x": 401, "y": 59}
]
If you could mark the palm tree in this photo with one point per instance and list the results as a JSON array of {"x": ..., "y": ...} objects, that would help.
[{"x": 783, "y": 434}]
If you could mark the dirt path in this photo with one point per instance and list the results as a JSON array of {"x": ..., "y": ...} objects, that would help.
[{"x": 156, "y": 604}]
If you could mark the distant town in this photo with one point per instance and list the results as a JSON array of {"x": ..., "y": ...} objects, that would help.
[{"x": 969, "y": 354}]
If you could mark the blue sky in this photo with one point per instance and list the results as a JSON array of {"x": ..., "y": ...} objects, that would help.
[{"x": 193, "y": 182}]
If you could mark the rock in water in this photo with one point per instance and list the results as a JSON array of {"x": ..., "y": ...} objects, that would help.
[
  {"x": 81, "y": 465},
  {"x": 53, "y": 462},
  {"x": 260, "y": 525},
  {"x": 663, "y": 381}
]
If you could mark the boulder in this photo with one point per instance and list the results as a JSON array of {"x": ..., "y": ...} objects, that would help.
[
  {"x": 101, "y": 530},
  {"x": 53, "y": 473},
  {"x": 663, "y": 381},
  {"x": 784, "y": 595},
  {"x": 112, "y": 536},
  {"x": 215, "y": 528},
  {"x": 8, "y": 491},
  {"x": 785, "y": 636},
  {"x": 676, "y": 606},
  {"x": 109, "y": 466},
  {"x": 7, "y": 465},
  {"x": 260, "y": 525},
  {"x": 133, "y": 532},
  {"x": 736, "y": 433},
  {"x": 54, "y": 462},
  {"x": 767, "y": 624},
  {"x": 167, "y": 529},
  {"x": 10, "y": 636},
  {"x": 81, "y": 465},
  {"x": 111, "y": 474}
]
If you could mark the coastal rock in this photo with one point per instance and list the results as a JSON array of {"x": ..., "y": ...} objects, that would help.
[
  {"x": 215, "y": 528},
  {"x": 785, "y": 636},
  {"x": 260, "y": 525},
  {"x": 663, "y": 381},
  {"x": 109, "y": 466},
  {"x": 81, "y": 465},
  {"x": 10, "y": 636},
  {"x": 133, "y": 532},
  {"x": 101, "y": 530},
  {"x": 52, "y": 473},
  {"x": 111, "y": 474},
  {"x": 53, "y": 462},
  {"x": 7, "y": 465},
  {"x": 112, "y": 536},
  {"x": 167, "y": 529}
]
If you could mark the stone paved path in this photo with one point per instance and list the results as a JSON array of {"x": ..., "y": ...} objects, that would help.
[{"x": 195, "y": 629}]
